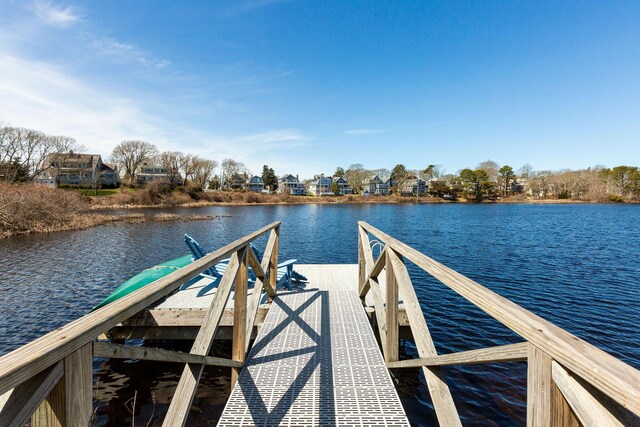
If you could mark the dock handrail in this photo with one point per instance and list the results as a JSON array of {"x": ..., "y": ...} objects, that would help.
[
  {"x": 53, "y": 374},
  {"x": 558, "y": 362}
]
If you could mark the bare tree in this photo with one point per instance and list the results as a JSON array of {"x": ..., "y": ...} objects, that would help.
[
  {"x": 172, "y": 162},
  {"x": 190, "y": 163},
  {"x": 526, "y": 171},
  {"x": 231, "y": 167},
  {"x": 23, "y": 152},
  {"x": 130, "y": 155},
  {"x": 356, "y": 174},
  {"x": 204, "y": 171},
  {"x": 491, "y": 168}
]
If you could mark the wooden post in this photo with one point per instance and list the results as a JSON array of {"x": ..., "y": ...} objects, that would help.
[
  {"x": 562, "y": 413},
  {"x": 240, "y": 316},
  {"x": 273, "y": 263},
  {"x": 539, "y": 388},
  {"x": 362, "y": 272},
  {"x": 392, "y": 337},
  {"x": 70, "y": 403}
]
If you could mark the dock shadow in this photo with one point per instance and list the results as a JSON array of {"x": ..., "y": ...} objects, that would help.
[{"x": 321, "y": 359}]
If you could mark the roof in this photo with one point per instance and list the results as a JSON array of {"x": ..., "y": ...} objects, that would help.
[{"x": 71, "y": 157}]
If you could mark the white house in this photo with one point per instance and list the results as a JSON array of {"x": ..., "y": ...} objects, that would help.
[{"x": 321, "y": 186}]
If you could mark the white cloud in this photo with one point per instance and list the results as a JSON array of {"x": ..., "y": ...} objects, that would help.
[
  {"x": 56, "y": 16},
  {"x": 112, "y": 47},
  {"x": 364, "y": 131},
  {"x": 39, "y": 96}
]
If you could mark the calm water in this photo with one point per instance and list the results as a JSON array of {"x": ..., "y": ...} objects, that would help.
[{"x": 578, "y": 266}]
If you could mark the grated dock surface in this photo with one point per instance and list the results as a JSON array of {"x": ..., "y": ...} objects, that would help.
[{"x": 316, "y": 361}]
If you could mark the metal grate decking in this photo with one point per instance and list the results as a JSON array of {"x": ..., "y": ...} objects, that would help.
[{"x": 316, "y": 361}]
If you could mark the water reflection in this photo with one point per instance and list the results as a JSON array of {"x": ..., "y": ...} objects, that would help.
[{"x": 546, "y": 258}]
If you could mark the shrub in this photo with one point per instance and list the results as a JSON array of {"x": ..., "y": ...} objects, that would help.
[{"x": 34, "y": 207}]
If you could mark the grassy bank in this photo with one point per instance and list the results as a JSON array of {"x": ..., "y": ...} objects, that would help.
[{"x": 33, "y": 208}]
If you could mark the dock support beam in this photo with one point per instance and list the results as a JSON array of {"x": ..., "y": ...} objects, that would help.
[
  {"x": 240, "y": 316},
  {"x": 70, "y": 403}
]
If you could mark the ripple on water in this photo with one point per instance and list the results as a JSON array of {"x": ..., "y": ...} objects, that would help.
[{"x": 577, "y": 266}]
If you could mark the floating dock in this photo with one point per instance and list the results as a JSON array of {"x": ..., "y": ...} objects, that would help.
[
  {"x": 318, "y": 354},
  {"x": 316, "y": 361}
]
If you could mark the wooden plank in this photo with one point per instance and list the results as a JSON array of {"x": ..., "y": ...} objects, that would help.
[
  {"x": 78, "y": 378},
  {"x": 70, "y": 402},
  {"x": 17, "y": 405},
  {"x": 120, "y": 351},
  {"x": 367, "y": 254},
  {"x": 616, "y": 378},
  {"x": 273, "y": 262},
  {"x": 23, "y": 363},
  {"x": 392, "y": 342},
  {"x": 561, "y": 413},
  {"x": 379, "y": 307},
  {"x": 52, "y": 410},
  {"x": 239, "y": 342},
  {"x": 538, "y": 388},
  {"x": 194, "y": 316},
  {"x": 586, "y": 407},
  {"x": 183, "y": 396},
  {"x": 443, "y": 403},
  {"x": 255, "y": 264},
  {"x": 503, "y": 353}
]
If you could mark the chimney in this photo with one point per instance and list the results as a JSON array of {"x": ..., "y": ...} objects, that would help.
[{"x": 297, "y": 179}]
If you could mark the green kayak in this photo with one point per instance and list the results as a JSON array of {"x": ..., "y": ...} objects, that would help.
[{"x": 145, "y": 277}]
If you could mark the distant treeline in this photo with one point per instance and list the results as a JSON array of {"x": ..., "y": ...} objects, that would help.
[{"x": 23, "y": 154}]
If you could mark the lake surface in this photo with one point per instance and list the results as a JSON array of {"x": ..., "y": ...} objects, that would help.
[{"x": 578, "y": 266}]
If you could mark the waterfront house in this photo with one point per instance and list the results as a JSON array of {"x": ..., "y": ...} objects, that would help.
[
  {"x": 254, "y": 184},
  {"x": 321, "y": 186},
  {"x": 518, "y": 185},
  {"x": 344, "y": 187},
  {"x": 75, "y": 169},
  {"x": 148, "y": 172},
  {"x": 414, "y": 187},
  {"x": 391, "y": 185},
  {"x": 375, "y": 186},
  {"x": 290, "y": 184},
  {"x": 237, "y": 181}
]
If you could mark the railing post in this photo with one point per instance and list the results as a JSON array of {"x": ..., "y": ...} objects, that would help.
[
  {"x": 70, "y": 403},
  {"x": 273, "y": 262},
  {"x": 539, "y": 386},
  {"x": 392, "y": 337},
  {"x": 362, "y": 272},
  {"x": 240, "y": 314}
]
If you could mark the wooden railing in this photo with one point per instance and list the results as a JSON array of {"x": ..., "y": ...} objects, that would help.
[
  {"x": 50, "y": 379},
  {"x": 569, "y": 381}
]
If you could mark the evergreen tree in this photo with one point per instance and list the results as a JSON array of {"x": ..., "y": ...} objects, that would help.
[{"x": 269, "y": 178}]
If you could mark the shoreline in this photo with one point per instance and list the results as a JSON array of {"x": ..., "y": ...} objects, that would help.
[
  {"x": 92, "y": 216},
  {"x": 83, "y": 221},
  {"x": 336, "y": 201}
]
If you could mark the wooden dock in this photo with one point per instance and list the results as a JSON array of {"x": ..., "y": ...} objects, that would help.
[
  {"x": 316, "y": 358},
  {"x": 316, "y": 361}
]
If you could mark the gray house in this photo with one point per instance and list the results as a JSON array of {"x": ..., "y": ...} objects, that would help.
[
  {"x": 414, "y": 187},
  {"x": 254, "y": 184},
  {"x": 290, "y": 184},
  {"x": 344, "y": 187},
  {"x": 83, "y": 170},
  {"x": 375, "y": 186}
]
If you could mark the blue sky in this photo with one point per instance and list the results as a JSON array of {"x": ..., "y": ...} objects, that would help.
[{"x": 306, "y": 86}]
